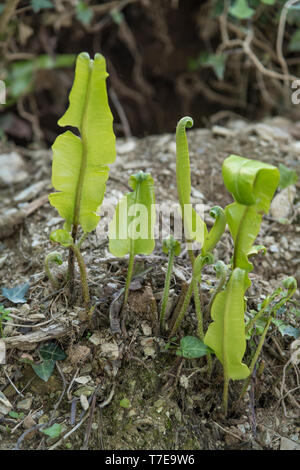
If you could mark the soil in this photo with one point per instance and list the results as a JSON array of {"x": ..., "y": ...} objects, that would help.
[{"x": 142, "y": 395}]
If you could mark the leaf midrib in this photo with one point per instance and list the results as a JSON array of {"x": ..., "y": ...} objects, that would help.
[{"x": 83, "y": 165}]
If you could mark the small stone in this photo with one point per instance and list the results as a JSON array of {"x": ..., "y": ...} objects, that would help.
[
  {"x": 31, "y": 192},
  {"x": 84, "y": 402},
  {"x": 95, "y": 339},
  {"x": 25, "y": 404},
  {"x": 12, "y": 169},
  {"x": 110, "y": 351},
  {"x": 197, "y": 194},
  {"x": 79, "y": 354},
  {"x": 148, "y": 347},
  {"x": 284, "y": 243},
  {"x": 282, "y": 204},
  {"x": 28, "y": 422},
  {"x": 86, "y": 390},
  {"x": 83, "y": 379},
  {"x": 147, "y": 330},
  {"x": 274, "y": 249},
  {"x": 127, "y": 147},
  {"x": 271, "y": 133},
  {"x": 5, "y": 405},
  {"x": 288, "y": 444},
  {"x": 223, "y": 131}
]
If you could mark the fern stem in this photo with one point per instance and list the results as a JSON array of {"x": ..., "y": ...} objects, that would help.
[
  {"x": 225, "y": 394},
  {"x": 83, "y": 276},
  {"x": 254, "y": 359},
  {"x": 166, "y": 290},
  {"x": 128, "y": 279},
  {"x": 184, "y": 307}
]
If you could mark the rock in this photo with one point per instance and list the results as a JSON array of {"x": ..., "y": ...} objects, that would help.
[
  {"x": 79, "y": 354},
  {"x": 223, "y": 131},
  {"x": 83, "y": 379},
  {"x": 197, "y": 194},
  {"x": 95, "y": 339},
  {"x": 31, "y": 192},
  {"x": 84, "y": 402},
  {"x": 86, "y": 391},
  {"x": 147, "y": 330},
  {"x": 288, "y": 444},
  {"x": 148, "y": 347},
  {"x": 294, "y": 146},
  {"x": 5, "y": 405},
  {"x": 282, "y": 204},
  {"x": 110, "y": 351},
  {"x": 13, "y": 169},
  {"x": 127, "y": 147},
  {"x": 28, "y": 422},
  {"x": 271, "y": 133},
  {"x": 25, "y": 404},
  {"x": 2, "y": 352}
]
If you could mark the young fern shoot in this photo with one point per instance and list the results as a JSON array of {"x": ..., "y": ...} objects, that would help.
[
  {"x": 194, "y": 227},
  {"x": 132, "y": 228},
  {"x": 172, "y": 248},
  {"x": 79, "y": 169}
]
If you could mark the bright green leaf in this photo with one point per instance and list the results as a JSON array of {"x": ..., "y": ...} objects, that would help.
[
  {"x": 79, "y": 170},
  {"x": 226, "y": 334},
  {"x": 54, "y": 430},
  {"x": 252, "y": 184},
  {"x": 170, "y": 244},
  {"x": 125, "y": 403},
  {"x": 194, "y": 226},
  {"x": 287, "y": 176},
  {"x": 241, "y": 10},
  {"x": 216, "y": 231},
  {"x": 62, "y": 237},
  {"x": 132, "y": 228}
]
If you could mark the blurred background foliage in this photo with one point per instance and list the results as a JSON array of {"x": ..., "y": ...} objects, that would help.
[{"x": 166, "y": 58}]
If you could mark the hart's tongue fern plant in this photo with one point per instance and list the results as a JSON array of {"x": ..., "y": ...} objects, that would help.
[
  {"x": 132, "y": 228},
  {"x": 252, "y": 184},
  {"x": 79, "y": 169}
]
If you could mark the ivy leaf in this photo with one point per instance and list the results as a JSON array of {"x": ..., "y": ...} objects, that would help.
[
  {"x": 84, "y": 14},
  {"x": 287, "y": 176},
  {"x": 44, "y": 370},
  {"x": 216, "y": 61},
  {"x": 16, "y": 294},
  {"x": 38, "y": 5},
  {"x": 241, "y": 10},
  {"x": 286, "y": 329},
  {"x": 51, "y": 351},
  {"x": 53, "y": 431},
  {"x": 192, "y": 347}
]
